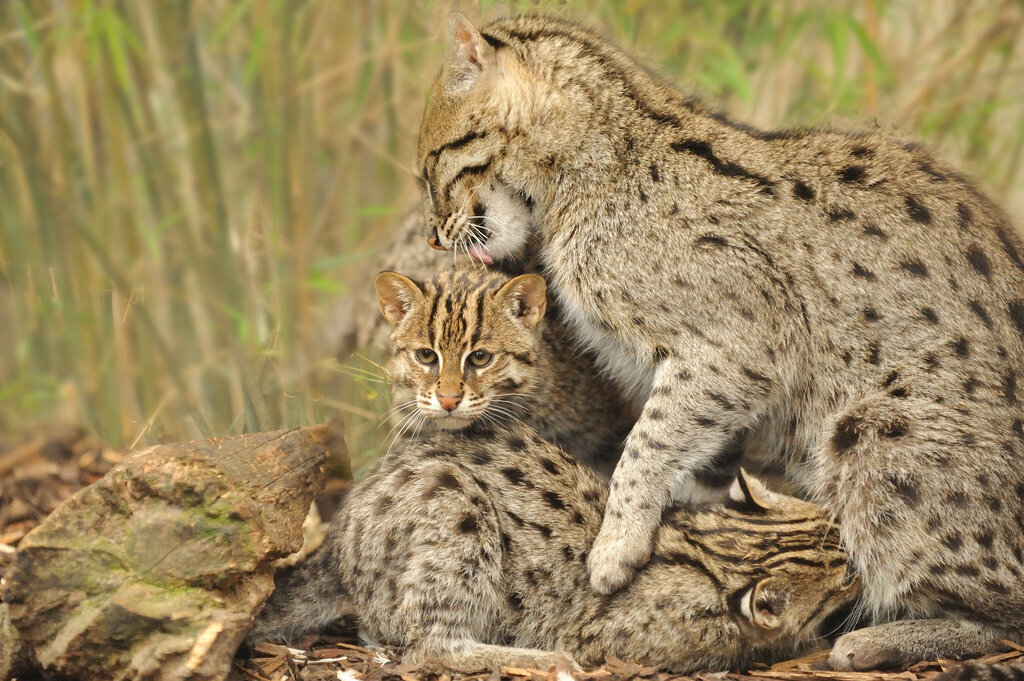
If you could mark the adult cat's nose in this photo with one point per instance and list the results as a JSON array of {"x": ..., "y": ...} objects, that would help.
[
  {"x": 449, "y": 402},
  {"x": 432, "y": 242}
]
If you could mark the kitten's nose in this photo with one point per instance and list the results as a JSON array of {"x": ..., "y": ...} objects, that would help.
[
  {"x": 432, "y": 242},
  {"x": 449, "y": 402}
]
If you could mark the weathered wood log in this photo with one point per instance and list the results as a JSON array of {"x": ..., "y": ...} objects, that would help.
[{"x": 157, "y": 570}]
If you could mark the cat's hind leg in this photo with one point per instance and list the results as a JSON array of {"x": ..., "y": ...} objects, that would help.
[{"x": 925, "y": 494}]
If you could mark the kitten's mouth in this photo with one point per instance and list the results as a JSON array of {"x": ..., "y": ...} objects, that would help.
[{"x": 451, "y": 422}]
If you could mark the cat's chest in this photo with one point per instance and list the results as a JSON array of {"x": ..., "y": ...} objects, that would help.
[{"x": 619, "y": 358}]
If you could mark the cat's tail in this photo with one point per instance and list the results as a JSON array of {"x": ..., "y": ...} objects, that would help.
[
  {"x": 979, "y": 671},
  {"x": 307, "y": 598}
]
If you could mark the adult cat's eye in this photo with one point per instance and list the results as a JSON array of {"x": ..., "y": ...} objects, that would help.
[
  {"x": 480, "y": 358},
  {"x": 425, "y": 356}
]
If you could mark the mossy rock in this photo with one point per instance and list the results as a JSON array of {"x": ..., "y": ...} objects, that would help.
[{"x": 158, "y": 569}]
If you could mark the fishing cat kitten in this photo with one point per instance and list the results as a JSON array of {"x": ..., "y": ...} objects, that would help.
[
  {"x": 467, "y": 547},
  {"x": 845, "y": 302},
  {"x": 557, "y": 391}
]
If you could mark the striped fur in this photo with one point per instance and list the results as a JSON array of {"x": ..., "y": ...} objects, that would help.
[
  {"x": 839, "y": 304},
  {"x": 533, "y": 376},
  {"x": 468, "y": 549}
]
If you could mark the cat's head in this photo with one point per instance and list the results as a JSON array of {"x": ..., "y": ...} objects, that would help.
[
  {"x": 788, "y": 570},
  {"x": 465, "y": 343},
  {"x": 479, "y": 167}
]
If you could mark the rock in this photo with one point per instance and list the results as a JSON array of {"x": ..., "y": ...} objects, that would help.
[{"x": 158, "y": 569}]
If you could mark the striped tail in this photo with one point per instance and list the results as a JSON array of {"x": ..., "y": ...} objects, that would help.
[{"x": 980, "y": 671}]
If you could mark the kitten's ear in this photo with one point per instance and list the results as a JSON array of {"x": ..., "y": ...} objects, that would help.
[
  {"x": 750, "y": 492},
  {"x": 524, "y": 297},
  {"x": 469, "y": 55},
  {"x": 397, "y": 295},
  {"x": 763, "y": 604}
]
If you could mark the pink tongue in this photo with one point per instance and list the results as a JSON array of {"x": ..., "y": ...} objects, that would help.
[{"x": 481, "y": 255}]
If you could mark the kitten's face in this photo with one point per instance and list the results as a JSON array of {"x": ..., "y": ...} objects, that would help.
[
  {"x": 464, "y": 343},
  {"x": 472, "y": 201}
]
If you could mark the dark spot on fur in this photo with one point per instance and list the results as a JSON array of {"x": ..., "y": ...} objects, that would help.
[
  {"x": 1010, "y": 387},
  {"x": 859, "y": 271},
  {"x": 660, "y": 353},
  {"x": 846, "y": 435},
  {"x": 873, "y": 353},
  {"x": 985, "y": 539},
  {"x": 514, "y": 475},
  {"x": 655, "y": 175},
  {"x": 967, "y": 571},
  {"x": 897, "y": 428},
  {"x": 802, "y": 191},
  {"x": 851, "y": 174},
  {"x": 958, "y": 499},
  {"x": 711, "y": 240},
  {"x": 553, "y": 500},
  {"x": 930, "y": 362},
  {"x": 891, "y": 378},
  {"x": 847, "y": 357},
  {"x": 953, "y": 542},
  {"x": 874, "y": 230},
  {"x": 516, "y": 444},
  {"x": 705, "y": 422},
  {"x": 963, "y": 216},
  {"x": 961, "y": 348},
  {"x": 1016, "y": 310},
  {"x": 655, "y": 414},
  {"x": 929, "y": 314},
  {"x": 971, "y": 384},
  {"x": 915, "y": 267},
  {"x": 861, "y": 151},
  {"x": 917, "y": 211},
  {"x": 835, "y": 214},
  {"x": 979, "y": 261},
  {"x": 907, "y": 490},
  {"x": 981, "y": 313},
  {"x": 549, "y": 465},
  {"x": 469, "y": 524},
  {"x": 871, "y": 314}
]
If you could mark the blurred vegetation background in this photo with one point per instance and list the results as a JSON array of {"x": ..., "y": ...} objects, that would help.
[{"x": 190, "y": 190}]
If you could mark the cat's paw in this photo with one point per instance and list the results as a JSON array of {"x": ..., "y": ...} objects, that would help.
[
  {"x": 862, "y": 650},
  {"x": 615, "y": 557}
]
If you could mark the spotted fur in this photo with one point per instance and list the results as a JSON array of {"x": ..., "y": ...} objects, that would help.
[
  {"x": 530, "y": 375},
  {"x": 842, "y": 304},
  {"x": 468, "y": 549}
]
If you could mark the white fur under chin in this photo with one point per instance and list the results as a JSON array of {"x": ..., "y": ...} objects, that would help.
[{"x": 508, "y": 221}]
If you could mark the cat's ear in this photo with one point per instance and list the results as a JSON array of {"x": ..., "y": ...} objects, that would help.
[
  {"x": 749, "y": 492},
  {"x": 397, "y": 295},
  {"x": 469, "y": 54},
  {"x": 763, "y": 604},
  {"x": 524, "y": 297}
]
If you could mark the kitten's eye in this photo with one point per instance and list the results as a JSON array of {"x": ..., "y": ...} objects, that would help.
[
  {"x": 426, "y": 356},
  {"x": 480, "y": 358}
]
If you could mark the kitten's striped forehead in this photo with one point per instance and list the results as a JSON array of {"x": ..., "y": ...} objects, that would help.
[{"x": 459, "y": 309}]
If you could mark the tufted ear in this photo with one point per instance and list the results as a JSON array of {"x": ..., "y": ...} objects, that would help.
[
  {"x": 397, "y": 294},
  {"x": 750, "y": 492},
  {"x": 523, "y": 296},
  {"x": 469, "y": 55}
]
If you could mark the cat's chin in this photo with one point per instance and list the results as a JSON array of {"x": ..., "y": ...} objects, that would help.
[{"x": 451, "y": 423}]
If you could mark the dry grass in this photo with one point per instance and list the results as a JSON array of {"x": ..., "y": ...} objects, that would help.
[{"x": 188, "y": 188}]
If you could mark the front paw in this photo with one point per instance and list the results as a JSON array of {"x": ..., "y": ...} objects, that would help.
[{"x": 615, "y": 558}]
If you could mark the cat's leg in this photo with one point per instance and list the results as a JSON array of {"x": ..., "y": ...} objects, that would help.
[
  {"x": 449, "y": 601},
  {"x": 681, "y": 440},
  {"x": 307, "y": 598},
  {"x": 927, "y": 498},
  {"x": 906, "y": 642},
  {"x": 471, "y": 656}
]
